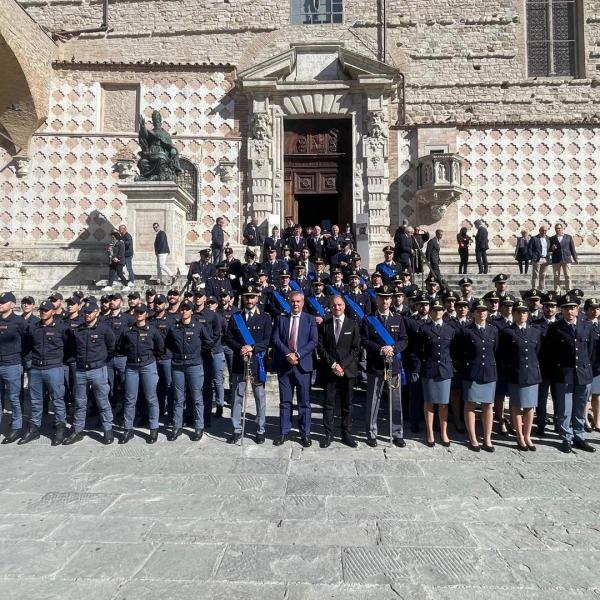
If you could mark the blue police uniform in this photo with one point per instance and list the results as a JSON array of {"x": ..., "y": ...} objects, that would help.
[
  {"x": 185, "y": 341},
  {"x": 13, "y": 348},
  {"x": 274, "y": 269},
  {"x": 203, "y": 270},
  {"x": 94, "y": 347},
  {"x": 434, "y": 360},
  {"x": 394, "y": 324},
  {"x": 571, "y": 350},
  {"x": 69, "y": 363},
  {"x": 273, "y": 307},
  {"x": 518, "y": 355},
  {"x": 259, "y": 325},
  {"x": 479, "y": 372},
  {"x": 547, "y": 385},
  {"x": 141, "y": 346},
  {"x": 216, "y": 285},
  {"x": 48, "y": 346},
  {"x": 117, "y": 364},
  {"x": 388, "y": 271},
  {"x": 225, "y": 314},
  {"x": 164, "y": 390},
  {"x": 362, "y": 299}
]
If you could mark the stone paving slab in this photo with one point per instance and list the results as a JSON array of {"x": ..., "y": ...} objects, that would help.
[{"x": 187, "y": 520}]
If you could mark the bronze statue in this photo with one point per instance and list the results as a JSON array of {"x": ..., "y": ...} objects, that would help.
[{"x": 159, "y": 159}]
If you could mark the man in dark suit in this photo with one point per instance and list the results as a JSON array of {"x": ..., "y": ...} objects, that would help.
[
  {"x": 563, "y": 254},
  {"x": 482, "y": 245},
  {"x": 403, "y": 250},
  {"x": 316, "y": 244},
  {"x": 339, "y": 348},
  {"x": 539, "y": 250},
  {"x": 297, "y": 242},
  {"x": 294, "y": 340},
  {"x": 217, "y": 237},
  {"x": 253, "y": 237},
  {"x": 273, "y": 241},
  {"x": 432, "y": 254}
]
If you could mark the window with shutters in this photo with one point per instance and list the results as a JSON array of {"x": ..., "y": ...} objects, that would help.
[
  {"x": 317, "y": 12},
  {"x": 188, "y": 181},
  {"x": 552, "y": 38}
]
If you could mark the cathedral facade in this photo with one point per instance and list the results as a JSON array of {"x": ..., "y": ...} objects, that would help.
[{"x": 331, "y": 111}]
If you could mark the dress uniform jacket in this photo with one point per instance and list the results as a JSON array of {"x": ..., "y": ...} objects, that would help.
[
  {"x": 395, "y": 267},
  {"x": 394, "y": 324},
  {"x": 273, "y": 270},
  {"x": 518, "y": 354},
  {"x": 478, "y": 353},
  {"x": 163, "y": 325},
  {"x": 12, "y": 340},
  {"x": 273, "y": 306},
  {"x": 215, "y": 285},
  {"x": 210, "y": 323},
  {"x": 433, "y": 351},
  {"x": 47, "y": 343},
  {"x": 362, "y": 299},
  {"x": 94, "y": 346},
  {"x": 142, "y": 345},
  {"x": 186, "y": 342},
  {"x": 204, "y": 270},
  {"x": 260, "y": 327},
  {"x": 570, "y": 353}
]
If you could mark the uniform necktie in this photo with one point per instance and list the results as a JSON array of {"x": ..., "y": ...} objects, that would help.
[
  {"x": 574, "y": 328},
  {"x": 438, "y": 327},
  {"x": 248, "y": 315},
  {"x": 338, "y": 328},
  {"x": 294, "y": 334}
]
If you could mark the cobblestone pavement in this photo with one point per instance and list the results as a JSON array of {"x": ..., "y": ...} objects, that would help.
[{"x": 189, "y": 520}]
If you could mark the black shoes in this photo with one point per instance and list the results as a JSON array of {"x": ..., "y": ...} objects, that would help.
[
  {"x": 445, "y": 444},
  {"x": 566, "y": 447},
  {"x": 474, "y": 448},
  {"x": 326, "y": 441},
  {"x": 583, "y": 445},
  {"x": 73, "y": 437},
  {"x": 175, "y": 433},
  {"x": 522, "y": 447},
  {"x": 234, "y": 439},
  {"x": 33, "y": 433},
  {"x": 260, "y": 438},
  {"x": 59, "y": 435},
  {"x": 282, "y": 439},
  {"x": 400, "y": 443},
  {"x": 197, "y": 435},
  {"x": 219, "y": 412},
  {"x": 430, "y": 444},
  {"x": 13, "y": 436},
  {"x": 372, "y": 442},
  {"x": 152, "y": 439},
  {"x": 127, "y": 435},
  {"x": 487, "y": 448},
  {"x": 109, "y": 437},
  {"x": 305, "y": 441},
  {"x": 349, "y": 441}
]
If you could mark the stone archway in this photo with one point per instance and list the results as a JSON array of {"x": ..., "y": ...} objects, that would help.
[
  {"x": 321, "y": 81},
  {"x": 26, "y": 55}
]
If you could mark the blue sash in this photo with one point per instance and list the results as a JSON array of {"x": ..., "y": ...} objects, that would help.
[
  {"x": 333, "y": 291},
  {"x": 386, "y": 270},
  {"x": 283, "y": 303},
  {"x": 249, "y": 340},
  {"x": 387, "y": 340},
  {"x": 316, "y": 306},
  {"x": 358, "y": 311},
  {"x": 372, "y": 293},
  {"x": 295, "y": 285}
]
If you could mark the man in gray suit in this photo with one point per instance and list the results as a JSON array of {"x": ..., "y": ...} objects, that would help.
[
  {"x": 432, "y": 254},
  {"x": 563, "y": 253}
]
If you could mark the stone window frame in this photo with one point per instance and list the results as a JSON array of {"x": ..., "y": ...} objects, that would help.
[
  {"x": 119, "y": 84},
  {"x": 579, "y": 40},
  {"x": 302, "y": 14}
]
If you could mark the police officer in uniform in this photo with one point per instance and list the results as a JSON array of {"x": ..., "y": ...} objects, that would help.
[
  {"x": 571, "y": 347},
  {"x": 273, "y": 266},
  {"x": 259, "y": 326},
  {"x": 141, "y": 343},
  {"x": 356, "y": 295},
  {"x": 377, "y": 355},
  {"x": 12, "y": 350},
  {"x": 591, "y": 308},
  {"x": 220, "y": 283},
  {"x": 284, "y": 291},
  {"x": 201, "y": 271},
  {"x": 162, "y": 320},
  {"x": 48, "y": 340},
  {"x": 94, "y": 346},
  {"x": 388, "y": 268}
]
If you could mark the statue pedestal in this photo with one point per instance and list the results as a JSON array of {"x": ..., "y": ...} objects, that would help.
[{"x": 165, "y": 203}]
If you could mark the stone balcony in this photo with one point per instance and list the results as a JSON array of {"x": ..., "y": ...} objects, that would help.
[{"x": 439, "y": 183}]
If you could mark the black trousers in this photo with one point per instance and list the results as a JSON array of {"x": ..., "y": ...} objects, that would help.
[
  {"x": 116, "y": 270},
  {"x": 482, "y": 263},
  {"x": 344, "y": 386},
  {"x": 434, "y": 267},
  {"x": 464, "y": 261}
]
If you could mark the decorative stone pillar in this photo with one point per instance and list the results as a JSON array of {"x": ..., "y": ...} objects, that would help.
[
  {"x": 375, "y": 153},
  {"x": 260, "y": 158}
]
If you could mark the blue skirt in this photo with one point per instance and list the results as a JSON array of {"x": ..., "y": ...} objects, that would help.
[
  {"x": 479, "y": 393},
  {"x": 436, "y": 390},
  {"x": 596, "y": 385},
  {"x": 523, "y": 396}
]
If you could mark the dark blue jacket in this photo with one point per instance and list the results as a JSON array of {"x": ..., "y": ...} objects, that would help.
[
  {"x": 217, "y": 237},
  {"x": 563, "y": 251},
  {"x": 205, "y": 270},
  {"x": 481, "y": 239},
  {"x": 362, "y": 299},
  {"x": 272, "y": 305},
  {"x": 210, "y": 322},
  {"x": 518, "y": 354},
  {"x": 434, "y": 351},
  {"x": 253, "y": 235},
  {"x": 186, "y": 342},
  {"x": 161, "y": 245},
  {"x": 141, "y": 345},
  {"x": 93, "y": 346},
  {"x": 373, "y": 344},
  {"x": 214, "y": 286},
  {"x": 535, "y": 247},
  {"x": 128, "y": 244},
  {"x": 48, "y": 344},
  {"x": 478, "y": 353},
  {"x": 163, "y": 325},
  {"x": 273, "y": 270},
  {"x": 570, "y": 355},
  {"x": 382, "y": 267},
  {"x": 260, "y": 328},
  {"x": 71, "y": 325},
  {"x": 119, "y": 324},
  {"x": 13, "y": 347},
  {"x": 307, "y": 341}
]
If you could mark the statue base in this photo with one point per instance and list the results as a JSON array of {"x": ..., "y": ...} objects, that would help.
[{"x": 162, "y": 202}]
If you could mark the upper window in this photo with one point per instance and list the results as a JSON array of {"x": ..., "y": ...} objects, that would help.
[
  {"x": 552, "y": 38},
  {"x": 188, "y": 181},
  {"x": 316, "y": 12}
]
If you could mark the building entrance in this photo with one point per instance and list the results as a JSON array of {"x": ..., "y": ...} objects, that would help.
[{"x": 318, "y": 171}]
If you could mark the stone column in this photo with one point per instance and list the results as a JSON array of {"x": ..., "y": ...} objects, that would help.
[{"x": 163, "y": 202}]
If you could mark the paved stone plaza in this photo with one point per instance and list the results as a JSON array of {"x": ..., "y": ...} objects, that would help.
[{"x": 188, "y": 520}]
